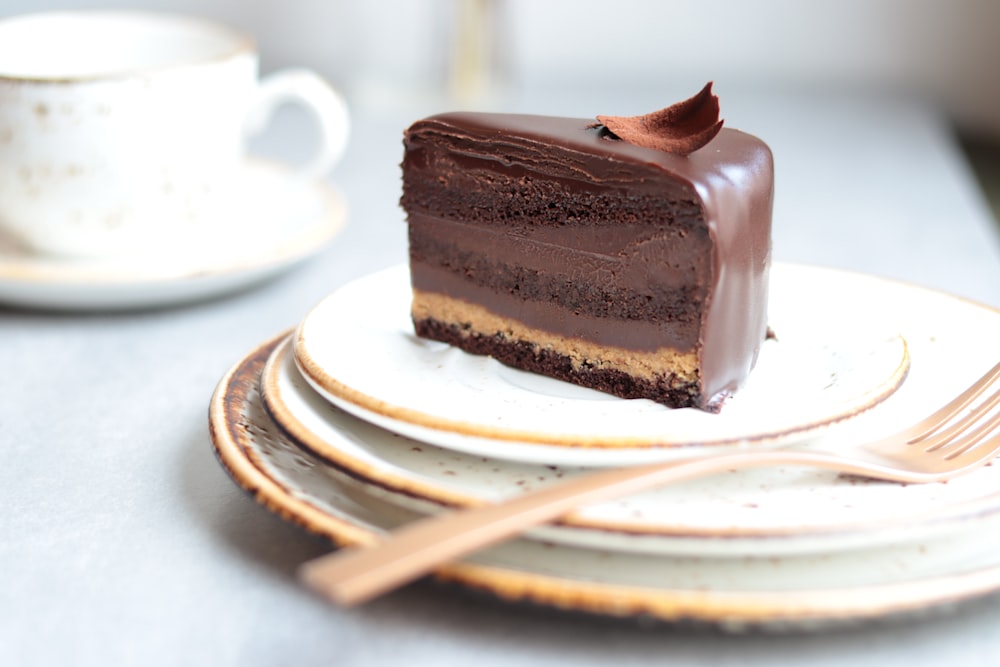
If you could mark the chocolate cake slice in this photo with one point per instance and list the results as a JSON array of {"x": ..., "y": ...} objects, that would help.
[{"x": 557, "y": 247}]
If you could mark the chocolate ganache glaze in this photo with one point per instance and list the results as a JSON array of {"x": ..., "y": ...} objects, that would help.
[{"x": 559, "y": 225}]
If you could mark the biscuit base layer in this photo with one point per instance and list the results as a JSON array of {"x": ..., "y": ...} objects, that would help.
[{"x": 665, "y": 376}]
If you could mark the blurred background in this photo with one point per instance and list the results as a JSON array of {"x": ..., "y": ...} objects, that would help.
[
  {"x": 946, "y": 51},
  {"x": 427, "y": 55}
]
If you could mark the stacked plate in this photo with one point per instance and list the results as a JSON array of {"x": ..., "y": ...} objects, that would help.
[{"x": 351, "y": 426}]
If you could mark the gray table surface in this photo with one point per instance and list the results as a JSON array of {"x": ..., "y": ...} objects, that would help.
[{"x": 122, "y": 541}]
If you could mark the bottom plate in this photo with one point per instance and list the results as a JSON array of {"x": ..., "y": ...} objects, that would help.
[{"x": 782, "y": 593}]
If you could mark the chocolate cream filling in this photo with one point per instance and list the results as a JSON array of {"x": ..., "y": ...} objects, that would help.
[{"x": 612, "y": 300}]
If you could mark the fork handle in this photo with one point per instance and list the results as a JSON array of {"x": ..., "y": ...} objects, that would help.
[{"x": 357, "y": 574}]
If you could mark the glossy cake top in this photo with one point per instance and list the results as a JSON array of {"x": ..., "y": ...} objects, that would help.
[{"x": 594, "y": 154}]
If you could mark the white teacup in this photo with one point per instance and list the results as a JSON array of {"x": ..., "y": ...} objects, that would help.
[{"x": 125, "y": 132}]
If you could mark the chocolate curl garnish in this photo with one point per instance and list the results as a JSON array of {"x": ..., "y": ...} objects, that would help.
[{"x": 681, "y": 128}]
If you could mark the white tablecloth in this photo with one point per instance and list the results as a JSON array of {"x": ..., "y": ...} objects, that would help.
[{"x": 122, "y": 541}]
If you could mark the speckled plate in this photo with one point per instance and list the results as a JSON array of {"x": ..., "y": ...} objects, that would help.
[
  {"x": 777, "y": 593},
  {"x": 762, "y": 512},
  {"x": 279, "y": 221},
  {"x": 822, "y": 368}
]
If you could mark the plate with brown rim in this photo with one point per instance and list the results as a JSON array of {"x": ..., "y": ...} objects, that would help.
[
  {"x": 835, "y": 356},
  {"x": 793, "y": 593}
]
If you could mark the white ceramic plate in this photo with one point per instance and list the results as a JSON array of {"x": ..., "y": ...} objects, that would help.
[
  {"x": 779, "y": 593},
  {"x": 825, "y": 366},
  {"x": 763, "y": 512},
  {"x": 280, "y": 221}
]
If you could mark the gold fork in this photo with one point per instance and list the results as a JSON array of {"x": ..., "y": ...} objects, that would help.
[{"x": 955, "y": 439}]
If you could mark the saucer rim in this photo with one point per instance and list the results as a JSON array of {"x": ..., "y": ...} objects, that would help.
[{"x": 35, "y": 280}]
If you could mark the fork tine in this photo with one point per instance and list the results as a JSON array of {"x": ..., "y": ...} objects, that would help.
[
  {"x": 958, "y": 433},
  {"x": 973, "y": 439},
  {"x": 929, "y": 426},
  {"x": 977, "y": 453}
]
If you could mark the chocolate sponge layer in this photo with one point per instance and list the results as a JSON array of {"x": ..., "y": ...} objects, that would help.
[{"x": 668, "y": 388}]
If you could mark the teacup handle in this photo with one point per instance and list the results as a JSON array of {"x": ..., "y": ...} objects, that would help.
[{"x": 316, "y": 95}]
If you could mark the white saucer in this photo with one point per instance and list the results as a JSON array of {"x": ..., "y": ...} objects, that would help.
[
  {"x": 762, "y": 512},
  {"x": 281, "y": 221},
  {"x": 777, "y": 593},
  {"x": 827, "y": 364}
]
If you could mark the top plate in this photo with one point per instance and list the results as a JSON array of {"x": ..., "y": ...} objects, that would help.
[{"x": 826, "y": 365}]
